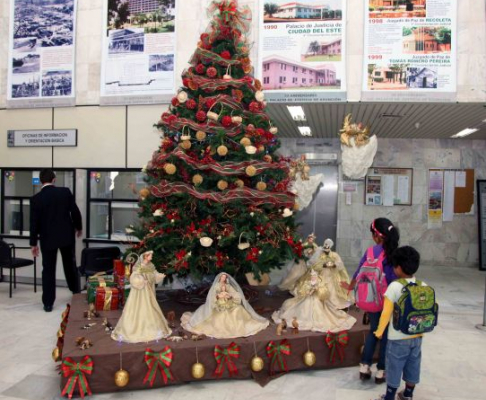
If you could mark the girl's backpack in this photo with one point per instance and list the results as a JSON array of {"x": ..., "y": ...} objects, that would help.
[
  {"x": 371, "y": 284},
  {"x": 415, "y": 311}
]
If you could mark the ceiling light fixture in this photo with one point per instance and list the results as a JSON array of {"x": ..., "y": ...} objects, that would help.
[
  {"x": 464, "y": 132},
  {"x": 297, "y": 113},
  {"x": 305, "y": 130}
]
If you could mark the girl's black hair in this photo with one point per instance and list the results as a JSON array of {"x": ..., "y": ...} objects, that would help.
[{"x": 385, "y": 229}]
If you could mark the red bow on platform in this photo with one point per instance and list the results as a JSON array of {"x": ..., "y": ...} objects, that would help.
[
  {"x": 77, "y": 374},
  {"x": 336, "y": 342},
  {"x": 276, "y": 352},
  {"x": 223, "y": 356},
  {"x": 162, "y": 361}
]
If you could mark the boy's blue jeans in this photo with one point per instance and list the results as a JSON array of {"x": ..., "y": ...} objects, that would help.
[
  {"x": 372, "y": 340},
  {"x": 403, "y": 358}
]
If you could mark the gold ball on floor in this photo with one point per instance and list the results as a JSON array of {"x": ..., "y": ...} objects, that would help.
[
  {"x": 309, "y": 358},
  {"x": 257, "y": 364},
  {"x": 122, "y": 378},
  {"x": 198, "y": 370}
]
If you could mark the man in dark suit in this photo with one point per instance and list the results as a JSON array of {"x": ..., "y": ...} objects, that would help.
[{"x": 54, "y": 218}]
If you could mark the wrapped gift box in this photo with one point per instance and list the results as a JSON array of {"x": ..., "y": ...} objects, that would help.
[
  {"x": 107, "y": 298},
  {"x": 119, "y": 272},
  {"x": 96, "y": 281}
]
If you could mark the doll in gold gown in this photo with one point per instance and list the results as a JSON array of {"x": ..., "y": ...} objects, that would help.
[
  {"x": 142, "y": 319},
  {"x": 226, "y": 313},
  {"x": 311, "y": 308}
]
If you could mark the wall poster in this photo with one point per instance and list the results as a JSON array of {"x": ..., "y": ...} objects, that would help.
[
  {"x": 303, "y": 50},
  {"x": 434, "y": 209},
  {"x": 389, "y": 187},
  {"x": 138, "y": 56},
  {"x": 41, "y": 61},
  {"x": 410, "y": 50}
]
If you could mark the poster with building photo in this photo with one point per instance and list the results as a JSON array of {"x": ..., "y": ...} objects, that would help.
[
  {"x": 302, "y": 50},
  {"x": 138, "y": 60},
  {"x": 410, "y": 50},
  {"x": 434, "y": 211},
  {"x": 41, "y": 53},
  {"x": 373, "y": 191}
]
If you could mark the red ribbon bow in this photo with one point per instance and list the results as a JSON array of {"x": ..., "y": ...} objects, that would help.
[
  {"x": 336, "y": 342},
  {"x": 162, "y": 360},
  {"x": 76, "y": 372},
  {"x": 276, "y": 352},
  {"x": 223, "y": 356}
]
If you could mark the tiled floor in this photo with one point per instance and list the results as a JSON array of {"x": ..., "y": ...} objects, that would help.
[{"x": 453, "y": 364}]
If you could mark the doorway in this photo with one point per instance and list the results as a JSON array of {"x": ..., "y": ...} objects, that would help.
[{"x": 320, "y": 216}]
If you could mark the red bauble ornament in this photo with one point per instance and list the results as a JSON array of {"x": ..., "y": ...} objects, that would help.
[
  {"x": 210, "y": 102},
  {"x": 204, "y": 36},
  {"x": 211, "y": 72},
  {"x": 201, "y": 116},
  {"x": 226, "y": 55},
  {"x": 226, "y": 121},
  {"x": 191, "y": 104},
  {"x": 200, "y": 69},
  {"x": 254, "y": 106},
  {"x": 185, "y": 82},
  {"x": 260, "y": 132},
  {"x": 174, "y": 101}
]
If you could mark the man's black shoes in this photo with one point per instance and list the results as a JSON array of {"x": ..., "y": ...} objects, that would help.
[{"x": 47, "y": 308}]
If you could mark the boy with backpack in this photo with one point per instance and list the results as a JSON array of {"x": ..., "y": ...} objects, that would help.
[{"x": 410, "y": 311}]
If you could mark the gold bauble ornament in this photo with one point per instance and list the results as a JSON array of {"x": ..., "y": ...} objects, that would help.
[
  {"x": 60, "y": 333},
  {"x": 185, "y": 144},
  {"x": 239, "y": 183},
  {"x": 309, "y": 358},
  {"x": 197, "y": 179},
  {"x": 222, "y": 185},
  {"x": 267, "y": 158},
  {"x": 56, "y": 354},
  {"x": 222, "y": 150},
  {"x": 250, "y": 170},
  {"x": 245, "y": 141},
  {"x": 170, "y": 168},
  {"x": 227, "y": 77},
  {"x": 257, "y": 364},
  {"x": 198, "y": 370},
  {"x": 144, "y": 193},
  {"x": 200, "y": 135},
  {"x": 261, "y": 148},
  {"x": 122, "y": 378},
  {"x": 261, "y": 185},
  {"x": 296, "y": 206}
]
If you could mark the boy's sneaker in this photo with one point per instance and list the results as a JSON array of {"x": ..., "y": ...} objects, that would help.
[
  {"x": 401, "y": 396},
  {"x": 380, "y": 376},
  {"x": 364, "y": 372}
]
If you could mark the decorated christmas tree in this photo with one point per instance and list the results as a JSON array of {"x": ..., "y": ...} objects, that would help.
[{"x": 217, "y": 196}]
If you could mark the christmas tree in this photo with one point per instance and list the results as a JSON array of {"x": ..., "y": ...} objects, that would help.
[{"x": 218, "y": 195}]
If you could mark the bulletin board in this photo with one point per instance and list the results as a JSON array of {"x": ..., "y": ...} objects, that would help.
[
  {"x": 481, "y": 193},
  {"x": 463, "y": 190},
  {"x": 389, "y": 187}
]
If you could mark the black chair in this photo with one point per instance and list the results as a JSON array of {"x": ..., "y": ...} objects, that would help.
[
  {"x": 98, "y": 259},
  {"x": 9, "y": 260}
]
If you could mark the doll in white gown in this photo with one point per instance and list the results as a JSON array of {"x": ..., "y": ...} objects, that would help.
[
  {"x": 142, "y": 319},
  {"x": 226, "y": 313}
]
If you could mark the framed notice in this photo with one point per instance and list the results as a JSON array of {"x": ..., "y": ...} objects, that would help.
[
  {"x": 481, "y": 195},
  {"x": 138, "y": 52},
  {"x": 410, "y": 50},
  {"x": 389, "y": 187},
  {"x": 302, "y": 50},
  {"x": 41, "y": 61}
]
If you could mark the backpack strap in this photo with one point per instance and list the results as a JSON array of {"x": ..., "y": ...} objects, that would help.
[{"x": 370, "y": 255}]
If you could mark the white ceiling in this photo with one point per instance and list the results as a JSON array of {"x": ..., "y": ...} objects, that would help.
[{"x": 386, "y": 120}]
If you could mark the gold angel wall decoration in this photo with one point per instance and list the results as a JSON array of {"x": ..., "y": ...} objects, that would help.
[{"x": 360, "y": 133}]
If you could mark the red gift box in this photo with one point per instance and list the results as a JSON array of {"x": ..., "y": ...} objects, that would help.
[
  {"x": 119, "y": 272},
  {"x": 107, "y": 298}
]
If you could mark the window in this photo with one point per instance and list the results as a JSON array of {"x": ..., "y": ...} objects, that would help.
[
  {"x": 294, "y": 80},
  {"x": 19, "y": 185},
  {"x": 304, "y": 80},
  {"x": 282, "y": 79},
  {"x": 266, "y": 80},
  {"x": 295, "y": 69},
  {"x": 113, "y": 203},
  {"x": 266, "y": 67},
  {"x": 304, "y": 71},
  {"x": 419, "y": 45}
]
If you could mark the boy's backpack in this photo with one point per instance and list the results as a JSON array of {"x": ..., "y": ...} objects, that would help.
[
  {"x": 371, "y": 283},
  {"x": 415, "y": 311}
]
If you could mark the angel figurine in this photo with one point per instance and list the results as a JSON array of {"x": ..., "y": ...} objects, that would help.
[
  {"x": 331, "y": 268},
  {"x": 225, "y": 314},
  {"x": 310, "y": 307},
  {"x": 142, "y": 319}
]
